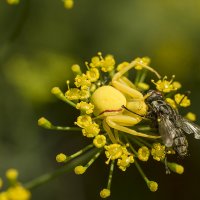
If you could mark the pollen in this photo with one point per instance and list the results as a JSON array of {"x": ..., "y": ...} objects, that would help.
[
  {"x": 11, "y": 174},
  {"x": 191, "y": 116},
  {"x": 79, "y": 170},
  {"x": 91, "y": 130},
  {"x": 99, "y": 141},
  {"x": 84, "y": 94},
  {"x": 108, "y": 63},
  {"x": 96, "y": 62},
  {"x": 182, "y": 100},
  {"x": 158, "y": 151},
  {"x": 143, "y": 153},
  {"x": 105, "y": 193},
  {"x": 61, "y": 157},
  {"x": 85, "y": 107}
]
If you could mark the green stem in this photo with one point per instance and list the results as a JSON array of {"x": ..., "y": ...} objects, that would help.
[
  {"x": 94, "y": 158},
  {"x": 141, "y": 171},
  {"x": 110, "y": 174},
  {"x": 62, "y": 170},
  {"x": 61, "y": 128}
]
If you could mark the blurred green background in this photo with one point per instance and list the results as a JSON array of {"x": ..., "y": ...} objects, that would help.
[{"x": 40, "y": 40}]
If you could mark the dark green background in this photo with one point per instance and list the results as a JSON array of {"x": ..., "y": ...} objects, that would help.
[{"x": 40, "y": 40}]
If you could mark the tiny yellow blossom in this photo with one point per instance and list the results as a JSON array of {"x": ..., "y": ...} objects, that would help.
[
  {"x": 82, "y": 81},
  {"x": 191, "y": 116},
  {"x": 99, "y": 141},
  {"x": 61, "y": 157},
  {"x": 113, "y": 151},
  {"x": 124, "y": 161},
  {"x": 83, "y": 121},
  {"x": 79, "y": 170},
  {"x": 73, "y": 94},
  {"x": 105, "y": 193},
  {"x": 76, "y": 69},
  {"x": 153, "y": 186},
  {"x": 164, "y": 85},
  {"x": 122, "y": 65},
  {"x": 143, "y": 153},
  {"x": 11, "y": 174},
  {"x": 142, "y": 61},
  {"x": 18, "y": 193},
  {"x": 91, "y": 130},
  {"x": 143, "y": 86},
  {"x": 96, "y": 62},
  {"x": 84, "y": 94},
  {"x": 108, "y": 64},
  {"x": 179, "y": 169},
  {"x": 182, "y": 100},
  {"x": 85, "y": 107},
  {"x": 171, "y": 102},
  {"x": 176, "y": 85},
  {"x": 43, "y": 122},
  {"x": 68, "y": 4},
  {"x": 158, "y": 151},
  {"x": 93, "y": 74},
  {"x": 12, "y": 2}
]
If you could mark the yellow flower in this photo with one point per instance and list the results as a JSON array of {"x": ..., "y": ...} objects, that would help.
[
  {"x": 79, "y": 170},
  {"x": 11, "y": 174},
  {"x": 85, "y": 107},
  {"x": 143, "y": 153},
  {"x": 93, "y": 74},
  {"x": 164, "y": 85},
  {"x": 96, "y": 62},
  {"x": 68, "y": 4},
  {"x": 12, "y": 2},
  {"x": 153, "y": 186},
  {"x": 84, "y": 94},
  {"x": 191, "y": 116},
  {"x": 83, "y": 121},
  {"x": 122, "y": 65},
  {"x": 61, "y": 158},
  {"x": 171, "y": 102},
  {"x": 124, "y": 161},
  {"x": 91, "y": 130},
  {"x": 176, "y": 85},
  {"x": 76, "y": 69},
  {"x": 73, "y": 94},
  {"x": 179, "y": 169},
  {"x": 182, "y": 100},
  {"x": 158, "y": 151},
  {"x": 113, "y": 151},
  {"x": 108, "y": 63},
  {"x": 18, "y": 193},
  {"x": 82, "y": 81},
  {"x": 105, "y": 193},
  {"x": 142, "y": 61},
  {"x": 99, "y": 141}
]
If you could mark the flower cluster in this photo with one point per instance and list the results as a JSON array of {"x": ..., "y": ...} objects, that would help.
[
  {"x": 15, "y": 191},
  {"x": 111, "y": 109}
]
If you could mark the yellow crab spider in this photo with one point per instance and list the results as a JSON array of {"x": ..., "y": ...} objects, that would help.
[{"x": 109, "y": 101}]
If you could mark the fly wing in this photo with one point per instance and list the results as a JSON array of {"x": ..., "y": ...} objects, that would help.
[
  {"x": 167, "y": 131},
  {"x": 190, "y": 127}
]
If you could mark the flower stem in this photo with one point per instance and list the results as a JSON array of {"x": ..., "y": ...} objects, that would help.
[
  {"x": 62, "y": 170},
  {"x": 141, "y": 171},
  {"x": 110, "y": 174},
  {"x": 65, "y": 128}
]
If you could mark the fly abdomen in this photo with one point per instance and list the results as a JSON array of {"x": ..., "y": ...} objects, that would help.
[{"x": 181, "y": 145}]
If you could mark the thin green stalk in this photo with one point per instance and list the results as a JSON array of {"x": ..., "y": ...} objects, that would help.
[
  {"x": 94, "y": 158},
  {"x": 110, "y": 174},
  {"x": 65, "y": 128},
  {"x": 62, "y": 170},
  {"x": 141, "y": 171}
]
